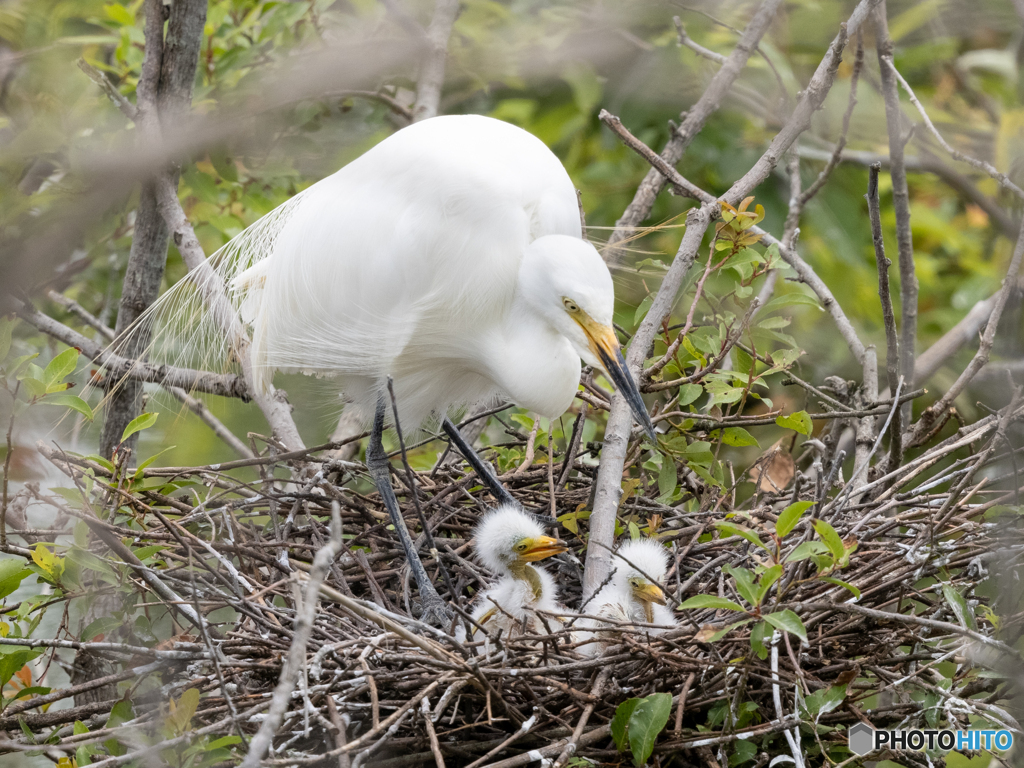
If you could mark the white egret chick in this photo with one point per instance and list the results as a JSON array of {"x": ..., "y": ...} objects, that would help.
[
  {"x": 509, "y": 542},
  {"x": 632, "y": 596},
  {"x": 448, "y": 258}
]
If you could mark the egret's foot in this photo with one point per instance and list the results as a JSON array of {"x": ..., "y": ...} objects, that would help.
[{"x": 435, "y": 612}]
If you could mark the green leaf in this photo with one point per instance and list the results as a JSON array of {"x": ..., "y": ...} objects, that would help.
[
  {"x": 33, "y": 386},
  {"x": 831, "y": 538},
  {"x": 6, "y": 328},
  {"x": 16, "y": 364},
  {"x": 12, "y": 571},
  {"x": 738, "y": 437},
  {"x": 150, "y": 460},
  {"x": 667, "y": 478},
  {"x": 120, "y": 14},
  {"x": 69, "y": 401},
  {"x": 757, "y": 635},
  {"x": 744, "y": 582},
  {"x": 101, "y": 626},
  {"x": 689, "y": 393},
  {"x": 620, "y": 723},
  {"x": 642, "y": 309},
  {"x": 790, "y": 516},
  {"x": 60, "y": 366},
  {"x": 844, "y": 584},
  {"x": 139, "y": 423},
  {"x": 799, "y": 422},
  {"x": 960, "y": 607},
  {"x": 789, "y": 300},
  {"x": 79, "y": 728},
  {"x": 85, "y": 559},
  {"x": 768, "y": 578},
  {"x": 121, "y": 713},
  {"x": 709, "y": 601},
  {"x": 787, "y": 621},
  {"x": 185, "y": 708},
  {"x": 727, "y": 629},
  {"x": 648, "y": 720},
  {"x": 805, "y": 550},
  {"x": 731, "y": 529}
]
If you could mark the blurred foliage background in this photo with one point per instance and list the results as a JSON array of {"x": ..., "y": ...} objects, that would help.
[{"x": 522, "y": 61}]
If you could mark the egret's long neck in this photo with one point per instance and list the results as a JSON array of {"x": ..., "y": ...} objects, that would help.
[
  {"x": 526, "y": 572},
  {"x": 532, "y": 363}
]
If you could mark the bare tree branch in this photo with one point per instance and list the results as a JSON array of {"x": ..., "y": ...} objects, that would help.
[
  {"x": 956, "y": 180},
  {"x": 981, "y": 165},
  {"x": 118, "y": 367},
  {"x": 431, "y": 78},
  {"x": 165, "y": 86},
  {"x": 616, "y": 435},
  {"x": 692, "y": 123},
  {"x": 924, "y": 425},
  {"x": 900, "y": 204},
  {"x": 275, "y": 408},
  {"x": 305, "y": 618},
  {"x": 893, "y": 360},
  {"x": 810, "y": 101}
]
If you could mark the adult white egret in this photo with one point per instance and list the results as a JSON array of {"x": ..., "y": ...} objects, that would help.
[
  {"x": 509, "y": 542},
  {"x": 633, "y": 595},
  {"x": 448, "y": 257}
]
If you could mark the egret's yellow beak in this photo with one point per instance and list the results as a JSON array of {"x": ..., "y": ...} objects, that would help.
[
  {"x": 541, "y": 547},
  {"x": 605, "y": 346},
  {"x": 650, "y": 593}
]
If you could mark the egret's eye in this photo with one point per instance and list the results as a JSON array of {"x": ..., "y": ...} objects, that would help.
[
  {"x": 634, "y": 582},
  {"x": 520, "y": 547},
  {"x": 570, "y": 305}
]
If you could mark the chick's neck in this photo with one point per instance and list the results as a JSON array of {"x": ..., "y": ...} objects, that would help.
[{"x": 523, "y": 571}]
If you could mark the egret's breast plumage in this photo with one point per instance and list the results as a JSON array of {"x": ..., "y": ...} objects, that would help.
[{"x": 404, "y": 261}]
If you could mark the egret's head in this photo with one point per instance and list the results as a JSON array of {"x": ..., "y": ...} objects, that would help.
[
  {"x": 642, "y": 565},
  {"x": 508, "y": 538},
  {"x": 565, "y": 279}
]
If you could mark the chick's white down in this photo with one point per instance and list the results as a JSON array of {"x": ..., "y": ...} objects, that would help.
[
  {"x": 444, "y": 257},
  {"x": 503, "y": 539},
  {"x": 639, "y": 567}
]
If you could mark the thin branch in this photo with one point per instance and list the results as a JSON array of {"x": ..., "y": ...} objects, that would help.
[
  {"x": 692, "y": 123},
  {"x": 893, "y": 360},
  {"x": 837, "y": 153},
  {"x": 616, "y": 439},
  {"x": 117, "y": 367},
  {"x": 810, "y": 101},
  {"x": 275, "y": 408},
  {"x": 932, "y": 165},
  {"x": 900, "y": 203},
  {"x": 305, "y": 618},
  {"x": 981, "y": 165},
  {"x": 128, "y": 109},
  {"x": 431, "y": 78},
  {"x": 981, "y": 357}
]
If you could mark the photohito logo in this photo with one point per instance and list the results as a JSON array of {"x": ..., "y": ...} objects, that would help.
[{"x": 864, "y": 739}]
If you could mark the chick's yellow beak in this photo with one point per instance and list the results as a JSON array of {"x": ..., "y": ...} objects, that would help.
[
  {"x": 650, "y": 593},
  {"x": 540, "y": 548},
  {"x": 605, "y": 346}
]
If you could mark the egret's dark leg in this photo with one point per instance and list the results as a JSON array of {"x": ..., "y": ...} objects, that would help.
[
  {"x": 482, "y": 470},
  {"x": 434, "y": 609}
]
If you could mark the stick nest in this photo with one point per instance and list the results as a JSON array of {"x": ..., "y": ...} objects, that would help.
[{"x": 376, "y": 686}]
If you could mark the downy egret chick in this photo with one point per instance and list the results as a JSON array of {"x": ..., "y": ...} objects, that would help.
[
  {"x": 633, "y": 596},
  {"x": 509, "y": 542}
]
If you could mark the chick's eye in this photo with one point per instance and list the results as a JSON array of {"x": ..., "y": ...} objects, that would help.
[
  {"x": 570, "y": 305},
  {"x": 521, "y": 546}
]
